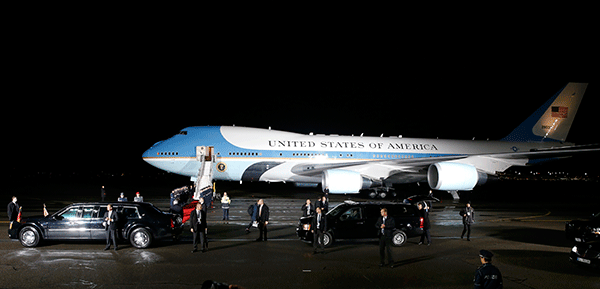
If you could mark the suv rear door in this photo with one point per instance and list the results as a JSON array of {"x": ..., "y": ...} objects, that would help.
[{"x": 351, "y": 224}]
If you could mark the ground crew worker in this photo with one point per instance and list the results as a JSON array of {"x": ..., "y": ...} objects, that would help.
[{"x": 487, "y": 276}]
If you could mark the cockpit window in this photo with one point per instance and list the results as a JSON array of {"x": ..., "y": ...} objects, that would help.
[{"x": 183, "y": 132}]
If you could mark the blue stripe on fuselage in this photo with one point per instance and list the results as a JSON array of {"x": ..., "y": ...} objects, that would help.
[{"x": 178, "y": 154}]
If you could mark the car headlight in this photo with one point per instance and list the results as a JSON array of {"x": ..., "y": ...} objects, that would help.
[
  {"x": 596, "y": 231},
  {"x": 574, "y": 250},
  {"x": 306, "y": 227}
]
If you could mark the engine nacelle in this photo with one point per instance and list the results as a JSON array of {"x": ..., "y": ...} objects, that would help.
[
  {"x": 447, "y": 176},
  {"x": 344, "y": 182}
]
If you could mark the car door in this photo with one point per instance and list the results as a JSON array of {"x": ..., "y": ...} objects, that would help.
[
  {"x": 95, "y": 227},
  {"x": 67, "y": 225},
  {"x": 351, "y": 224}
]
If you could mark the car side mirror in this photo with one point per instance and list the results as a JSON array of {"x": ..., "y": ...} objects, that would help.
[{"x": 58, "y": 218}]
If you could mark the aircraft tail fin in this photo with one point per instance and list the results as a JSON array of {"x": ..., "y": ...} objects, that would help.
[{"x": 552, "y": 121}]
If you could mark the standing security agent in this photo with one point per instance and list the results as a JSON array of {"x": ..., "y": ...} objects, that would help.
[
  {"x": 386, "y": 226},
  {"x": 468, "y": 217},
  {"x": 487, "y": 276},
  {"x": 198, "y": 222},
  {"x": 111, "y": 218},
  {"x": 319, "y": 225}
]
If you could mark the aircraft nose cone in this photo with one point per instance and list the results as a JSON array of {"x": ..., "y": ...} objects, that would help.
[
  {"x": 147, "y": 154},
  {"x": 151, "y": 152}
]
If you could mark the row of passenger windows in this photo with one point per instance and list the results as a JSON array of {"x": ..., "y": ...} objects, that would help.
[
  {"x": 392, "y": 156},
  {"x": 308, "y": 155},
  {"x": 375, "y": 156},
  {"x": 244, "y": 154}
]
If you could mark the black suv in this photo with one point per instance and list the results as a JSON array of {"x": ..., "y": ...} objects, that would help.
[
  {"x": 584, "y": 230},
  {"x": 140, "y": 223},
  {"x": 354, "y": 220}
]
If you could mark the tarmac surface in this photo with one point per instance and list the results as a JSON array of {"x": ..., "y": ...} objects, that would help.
[{"x": 526, "y": 237}]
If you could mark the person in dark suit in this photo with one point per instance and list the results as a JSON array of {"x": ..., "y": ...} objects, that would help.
[
  {"x": 319, "y": 227},
  {"x": 198, "y": 222},
  {"x": 263, "y": 220},
  {"x": 111, "y": 218},
  {"x": 468, "y": 217},
  {"x": 323, "y": 204},
  {"x": 386, "y": 226},
  {"x": 308, "y": 209},
  {"x": 12, "y": 210},
  {"x": 425, "y": 224}
]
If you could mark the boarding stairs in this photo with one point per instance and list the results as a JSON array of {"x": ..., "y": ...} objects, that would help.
[{"x": 206, "y": 156}]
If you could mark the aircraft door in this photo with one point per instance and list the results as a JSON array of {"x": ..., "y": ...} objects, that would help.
[{"x": 205, "y": 153}]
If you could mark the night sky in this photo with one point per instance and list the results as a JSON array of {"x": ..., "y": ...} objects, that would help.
[{"x": 94, "y": 98}]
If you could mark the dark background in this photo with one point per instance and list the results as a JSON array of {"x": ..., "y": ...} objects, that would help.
[{"x": 90, "y": 94}]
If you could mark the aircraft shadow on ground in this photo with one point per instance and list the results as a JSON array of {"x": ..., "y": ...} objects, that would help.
[
  {"x": 534, "y": 236},
  {"x": 555, "y": 262}
]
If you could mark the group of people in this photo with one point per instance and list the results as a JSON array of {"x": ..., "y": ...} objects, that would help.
[
  {"x": 486, "y": 276},
  {"x": 122, "y": 197},
  {"x": 319, "y": 222},
  {"x": 259, "y": 217}
]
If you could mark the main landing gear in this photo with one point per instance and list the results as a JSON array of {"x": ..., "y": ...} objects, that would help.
[{"x": 381, "y": 192}]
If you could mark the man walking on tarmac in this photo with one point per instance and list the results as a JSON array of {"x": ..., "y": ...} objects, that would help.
[
  {"x": 263, "y": 220},
  {"x": 468, "y": 217}
]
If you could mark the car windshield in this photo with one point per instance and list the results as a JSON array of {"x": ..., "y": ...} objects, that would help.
[{"x": 337, "y": 210}]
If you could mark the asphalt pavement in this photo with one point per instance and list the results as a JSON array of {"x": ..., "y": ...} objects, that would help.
[{"x": 527, "y": 239}]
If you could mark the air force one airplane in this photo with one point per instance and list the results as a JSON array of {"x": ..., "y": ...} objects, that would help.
[{"x": 348, "y": 164}]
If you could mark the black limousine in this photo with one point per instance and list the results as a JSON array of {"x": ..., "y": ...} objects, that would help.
[
  {"x": 356, "y": 220},
  {"x": 140, "y": 224}
]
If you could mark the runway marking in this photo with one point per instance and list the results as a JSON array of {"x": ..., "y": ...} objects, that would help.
[{"x": 519, "y": 218}]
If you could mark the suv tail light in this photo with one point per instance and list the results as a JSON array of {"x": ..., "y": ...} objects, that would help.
[{"x": 421, "y": 223}]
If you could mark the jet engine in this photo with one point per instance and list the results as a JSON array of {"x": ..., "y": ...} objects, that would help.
[
  {"x": 344, "y": 182},
  {"x": 447, "y": 176}
]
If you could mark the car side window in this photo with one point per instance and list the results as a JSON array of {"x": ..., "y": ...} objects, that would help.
[
  {"x": 101, "y": 211},
  {"x": 352, "y": 214},
  {"x": 131, "y": 213},
  {"x": 88, "y": 212},
  {"x": 70, "y": 213},
  {"x": 400, "y": 211}
]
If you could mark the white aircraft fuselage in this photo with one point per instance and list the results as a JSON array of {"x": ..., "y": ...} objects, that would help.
[{"x": 347, "y": 164}]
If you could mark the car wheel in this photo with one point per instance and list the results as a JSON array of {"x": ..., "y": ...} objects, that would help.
[
  {"x": 399, "y": 238},
  {"x": 29, "y": 237},
  {"x": 327, "y": 239},
  {"x": 140, "y": 238}
]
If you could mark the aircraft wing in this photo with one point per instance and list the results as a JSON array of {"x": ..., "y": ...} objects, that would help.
[
  {"x": 409, "y": 170},
  {"x": 549, "y": 152},
  {"x": 409, "y": 165}
]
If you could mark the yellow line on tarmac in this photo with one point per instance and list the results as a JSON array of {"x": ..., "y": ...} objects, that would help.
[{"x": 519, "y": 218}]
